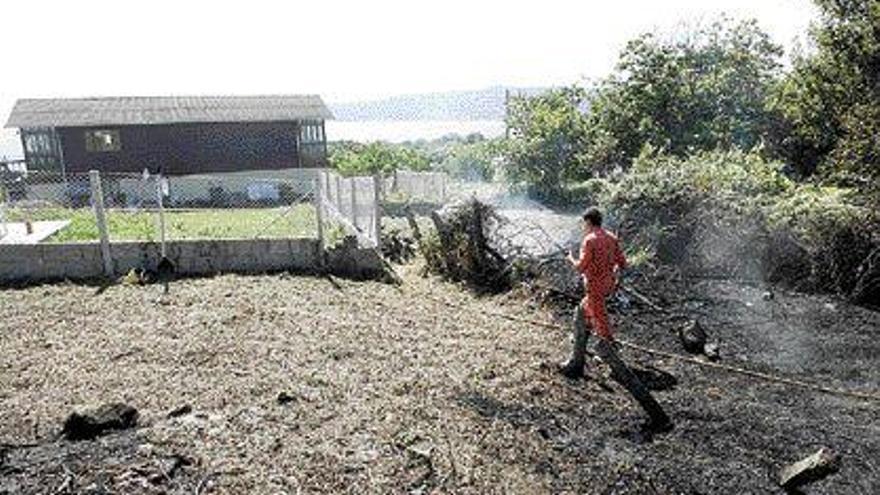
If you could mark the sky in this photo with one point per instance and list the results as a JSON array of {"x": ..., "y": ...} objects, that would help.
[{"x": 344, "y": 51}]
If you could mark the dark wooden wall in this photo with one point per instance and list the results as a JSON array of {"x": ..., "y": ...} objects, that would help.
[{"x": 178, "y": 149}]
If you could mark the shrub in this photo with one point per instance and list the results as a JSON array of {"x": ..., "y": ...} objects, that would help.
[
  {"x": 376, "y": 158},
  {"x": 735, "y": 214},
  {"x": 472, "y": 161}
]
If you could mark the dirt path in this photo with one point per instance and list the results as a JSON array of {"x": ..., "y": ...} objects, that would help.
[{"x": 393, "y": 392}]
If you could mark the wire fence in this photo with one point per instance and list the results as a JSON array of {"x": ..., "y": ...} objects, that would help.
[
  {"x": 3, "y": 228},
  {"x": 49, "y": 207},
  {"x": 239, "y": 207},
  {"x": 42, "y": 207},
  {"x": 425, "y": 187},
  {"x": 37, "y": 205},
  {"x": 353, "y": 202}
]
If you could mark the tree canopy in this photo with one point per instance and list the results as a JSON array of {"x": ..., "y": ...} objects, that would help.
[
  {"x": 375, "y": 158},
  {"x": 704, "y": 90},
  {"x": 830, "y": 101},
  {"x": 700, "y": 91},
  {"x": 548, "y": 136}
]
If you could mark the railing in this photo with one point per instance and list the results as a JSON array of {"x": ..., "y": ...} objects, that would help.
[{"x": 13, "y": 165}]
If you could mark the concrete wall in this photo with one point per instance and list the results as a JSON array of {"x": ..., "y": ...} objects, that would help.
[
  {"x": 21, "y": 262},
  {"x": 42, "y": 262}
]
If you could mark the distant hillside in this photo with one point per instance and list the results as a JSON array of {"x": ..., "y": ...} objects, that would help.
[{"x": 484, "y": 104}]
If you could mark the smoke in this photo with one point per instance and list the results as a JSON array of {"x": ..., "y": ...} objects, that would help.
[
  {"x": 534, "y": 228},
  {"x": 734, "y": 250}
]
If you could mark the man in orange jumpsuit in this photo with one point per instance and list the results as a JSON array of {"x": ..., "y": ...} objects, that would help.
[{"x": 600, "y": 261}]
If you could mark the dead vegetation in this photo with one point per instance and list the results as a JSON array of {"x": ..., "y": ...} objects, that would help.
[
  {"x": 472, "y": 243},
  {"x": 466, "y": 248},
  {"x": 266, "y": 384}
]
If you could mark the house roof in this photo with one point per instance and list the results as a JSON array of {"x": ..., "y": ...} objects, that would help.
[{"x": 82, "y": 112}]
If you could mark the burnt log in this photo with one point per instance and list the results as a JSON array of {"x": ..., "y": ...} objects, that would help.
[
  {"x": 413, "y": 225},
  {"x": 180, "y": 411},
  {"x": 96, "y": 422},
  {"x": 449, "y": 266}
]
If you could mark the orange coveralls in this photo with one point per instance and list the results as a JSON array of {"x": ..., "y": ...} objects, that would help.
[{"x": 600, "y": 254}]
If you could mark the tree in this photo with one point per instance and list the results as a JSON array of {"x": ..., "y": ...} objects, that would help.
[
  {"x": 472, "y": 159},
  {"x": 376, "y": 158},
  {"x": 548, "y": 136},
  {"x": 703, "y": 91},
  {"x": 830, "y": 102}
]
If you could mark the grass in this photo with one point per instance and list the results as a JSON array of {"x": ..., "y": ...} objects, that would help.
[{"x": 180, "y": 224}]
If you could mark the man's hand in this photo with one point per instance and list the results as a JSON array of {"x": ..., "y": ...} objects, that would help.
[{"x": 572, "y": 259}]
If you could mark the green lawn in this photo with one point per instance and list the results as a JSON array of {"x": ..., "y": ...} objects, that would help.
[{"x": 179, "y": 224}]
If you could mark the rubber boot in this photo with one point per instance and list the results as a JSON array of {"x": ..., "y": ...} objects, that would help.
[
  {"x": 659, "y": 421},
  {"x": 574, "y": 367}
]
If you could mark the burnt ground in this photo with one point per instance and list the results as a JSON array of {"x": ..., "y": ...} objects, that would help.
[{"x": 390, "y": 390}]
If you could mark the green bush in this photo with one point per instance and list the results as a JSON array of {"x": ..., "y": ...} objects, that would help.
[
  {"x": 833, "y": 234},
  {"x": 703, "y": 90},
  {"x": 376, "y": 158},
  {"x": 547, "y": 137},
  {"x": 472, "y": 161},
  {"x": 736, "y": 214}
]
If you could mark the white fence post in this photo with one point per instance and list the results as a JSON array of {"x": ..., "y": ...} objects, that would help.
[
  {"x": 159, "y": 194},
  {"x": 319, "y": 213},
  {"x": 339, "y": 193},
  {"x": 354, "y": 216},
  {"x": 377, "y": 219},
  {"x": 101, "y": 220}
]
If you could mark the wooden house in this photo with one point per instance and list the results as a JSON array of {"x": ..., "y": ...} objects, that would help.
[{"x": 172, "y": 135}]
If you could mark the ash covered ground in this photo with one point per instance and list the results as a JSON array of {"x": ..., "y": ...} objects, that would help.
[{"x": 391, "y": 389}]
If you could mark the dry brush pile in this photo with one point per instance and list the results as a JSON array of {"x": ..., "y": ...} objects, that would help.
[{"x": 472, "y": 243}]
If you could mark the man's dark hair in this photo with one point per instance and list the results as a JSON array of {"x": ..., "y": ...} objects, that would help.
[{"x": 594, "y": 216}]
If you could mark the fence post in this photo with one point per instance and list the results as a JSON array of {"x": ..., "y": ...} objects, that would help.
[
  {"x": 354, "y": 216},
  {"x": 443, "y": 188},
  {"x": 339, "y": 193},
  {"x": 377, "y": 219},
  {"x": 101, "y": 220},
  {"x": 159, "y": 203},
  {"x": 319, "y": 214}
]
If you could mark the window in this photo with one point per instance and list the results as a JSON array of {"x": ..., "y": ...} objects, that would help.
[
  {"x": 38, "y": 142},
  {"x": 41, "y": 148},
  {"x": 99, "y": 141},
  {"x": 311, "y": 133}
]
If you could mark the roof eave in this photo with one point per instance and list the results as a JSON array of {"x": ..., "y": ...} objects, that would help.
[{"x": 30, "y": 125}]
